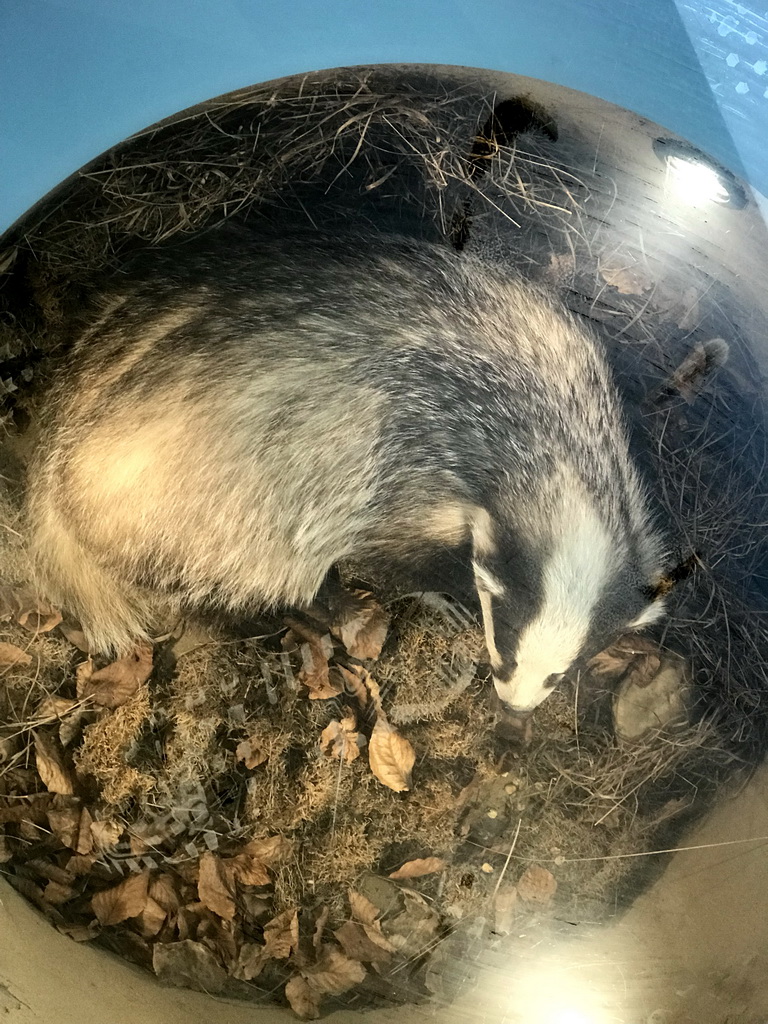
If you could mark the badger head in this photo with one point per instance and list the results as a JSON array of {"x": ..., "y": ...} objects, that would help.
[{"x": 560, "y": 593}]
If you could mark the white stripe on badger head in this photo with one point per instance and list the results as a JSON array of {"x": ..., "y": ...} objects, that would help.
[
  {"x": 652, "y": 613},
  {"x": 485, "y": 580},
  {"x": 490, "y": 635},
  {"x": 581, "y": 562}
]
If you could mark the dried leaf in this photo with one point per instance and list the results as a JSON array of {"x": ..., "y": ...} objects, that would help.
[
  {"x": 83, "y": 674},
  {"x": 321, "y": 921},
  {"x": 106, "y": 834},
  {"x": 315, "y": 651},
  {"x": 365, "y": 943},
  {"x": 536, "y": 885},
  {"x": 13, "y": 656},
  {"x": 80, "y": 865},
  {"x": 247, "y": 870},
  {"x": 213, "y": 887},
  {"x": 35, "y": 614},
  {"x": 303, "y": 1000},
  {"x": 50, "y": 766},
  {"x": 250, "y": 962},
  {"x": 75, "y": 636},
  {"x": 341, "y": 740},
  {"x": 188, "y": 964},
  {"x": 362, "y": 909},
  {"x": 609, "y": 664},
  {"x": 151, "y": 920},
  {"x": 250, "y": 752},
  {"x": 80, "y": 932},
  {"x": 64, "y": 823},
  {"x": 117, "y": 682},
  {"x": 55, "y": 707},
  {"x": 354, "y": 680},
  {"x": 362, "y": 626},
  {"x": 643, "y": 670},
  {"x": 315, "y": 673},
  {"x": 421, "y": 866},
  {"x": 163, "y": 890},
  {"x": 334, "y": 973},
  {"x": 635, "y": 643},
  {"x": 270, "y": 850},
  {"x": 127, "y": 899},
  {"x": 281, "y": 935},
  {"x": 391, "y": 757},
  {"x": 57, "y": 893},
  {"x": 85, "y": 840}
]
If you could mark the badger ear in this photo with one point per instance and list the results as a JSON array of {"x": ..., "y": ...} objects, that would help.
[{"x": 666, "y": 583}]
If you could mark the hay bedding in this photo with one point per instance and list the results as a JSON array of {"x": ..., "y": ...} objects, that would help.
[{"x": 327, "y": 811}]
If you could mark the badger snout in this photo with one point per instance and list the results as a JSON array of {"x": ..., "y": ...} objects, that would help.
[{"x": 521, "y": 694}]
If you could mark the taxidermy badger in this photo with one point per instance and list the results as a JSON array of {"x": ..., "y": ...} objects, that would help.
[{"x": 243, "y": 414}]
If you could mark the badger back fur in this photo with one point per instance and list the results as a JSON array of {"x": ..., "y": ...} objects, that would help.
[{"x": 243, "y": 414}]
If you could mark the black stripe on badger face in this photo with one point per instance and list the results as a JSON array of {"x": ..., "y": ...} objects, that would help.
[{"x": 509, "y": 586}]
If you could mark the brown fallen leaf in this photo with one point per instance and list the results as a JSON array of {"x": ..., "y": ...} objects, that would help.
[
  {"x": 57, "y": 893},
  {"x": 75, "y": 636},
  {"x": 12, "y": 656},
  {"x": 55, "y": 707},
  {"x": 50, "y": 767},
  {"x": 635, "y": 643},
  {"x": 251, "y": 864},
  {"x": 536, "y": 885},
  {"x": 362, "y": 626},
  {"x": 164, "y": 891},
  {"x": 80, "y": 932},
  {"x": 281, "y": 935},
  {"x": 107, "y": 833},
  {"x": 34, "y": 613},
  {"x": 609, "y": 664},
  {"x": 420, "y": 866},
  {"x": 391, "y": 757},
  {"x": 334, "y": 972},
  {"x": 354, "y": 679},
  {"x": 321, "y": 922},
  {"x": 85, "y": 839},
  {"x": 80, "y": 864},
  {"x": 642, "y": 670},
  {"x": 270, "y": 850},
  {"x": 213, "y": 887},
  {"x": 341, "y": 740},
  {"x": 250, "y": 962},
  {"x": 315, "y": 673},
  {"x": 188, "y": 964},
  {"x": 122, "y": 901},
  {"x": 362, "y": 909},
  {"x": 116, "y": 683},
  {"x": 250, "y": 752},
  {"x": 151, "y": 920},
  {"x": 246, "y": 870},
  {"x": 64, "y": 823},
  {"x": 365, "y": 943},
  {"x": 302, "y": 999}
]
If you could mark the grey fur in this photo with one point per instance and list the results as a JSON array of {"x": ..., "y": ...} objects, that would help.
[{"x": 242, "y": 414}]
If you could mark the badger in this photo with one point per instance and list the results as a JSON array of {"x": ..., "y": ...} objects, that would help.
[{"x": 242, "y": 414}]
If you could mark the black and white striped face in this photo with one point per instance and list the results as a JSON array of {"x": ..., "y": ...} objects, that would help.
[{"x": 541, "y": 618}]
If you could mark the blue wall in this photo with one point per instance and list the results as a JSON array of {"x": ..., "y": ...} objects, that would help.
[{"x": 77, "y": 76}]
